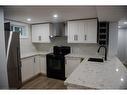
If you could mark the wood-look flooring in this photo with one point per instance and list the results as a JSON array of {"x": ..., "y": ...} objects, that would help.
[{"x": 43, "y": 82}]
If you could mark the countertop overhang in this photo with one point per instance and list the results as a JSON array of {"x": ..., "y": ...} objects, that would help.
[{"x": 26, "y": 55}]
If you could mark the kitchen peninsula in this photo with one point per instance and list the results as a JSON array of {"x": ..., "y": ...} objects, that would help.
[{"x": 110, "y": 74}]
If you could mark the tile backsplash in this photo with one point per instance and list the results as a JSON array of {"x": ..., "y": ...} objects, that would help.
[{"x": 75, "y": 47}]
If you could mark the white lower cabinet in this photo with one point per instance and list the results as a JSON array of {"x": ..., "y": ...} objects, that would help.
[
  {"x": 27, "y": 68},
  {"x": 36, "y": 65},
  {"x": 32, "y": 66},
  {"x": 43, "y": 64},
  {"x": 71, "y": 65}
]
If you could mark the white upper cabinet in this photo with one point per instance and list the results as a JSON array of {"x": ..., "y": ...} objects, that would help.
[
  {"x": 82, "y": 31},
  {"x": 72, "y": 34},
  {"x": 41, "y": 33},
  {"x": 91, "y": 31}
]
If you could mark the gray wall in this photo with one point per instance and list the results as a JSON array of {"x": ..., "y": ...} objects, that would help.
[
  {"x": 3, "y": 65},
  {"x": 122, "y": 45},
  {"x": 113, "y": 38}
]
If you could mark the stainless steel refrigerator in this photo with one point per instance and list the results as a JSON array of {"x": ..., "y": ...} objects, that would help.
[{"x": 12, "y": 44}]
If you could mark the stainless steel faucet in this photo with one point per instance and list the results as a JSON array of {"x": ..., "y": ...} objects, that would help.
[{"x": 105, "y": 51}]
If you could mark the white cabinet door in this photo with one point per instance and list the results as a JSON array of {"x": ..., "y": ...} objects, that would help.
[
  {"x": 27, "y": 68},
  {"x": 82, "y": 31},
  {"x": 91, "y": 31},
  {"x": 43, "y": 64},
  {"x": 41, "y": 33},
  {"x": 72, "y": 29},
  {"x": 76, "y": 30},
  {"x": 46, "y": 33},
  {"x": 36, "y": 65},
  {"x": 35, "y": 33},
  {"x": 71, "y": 65}
]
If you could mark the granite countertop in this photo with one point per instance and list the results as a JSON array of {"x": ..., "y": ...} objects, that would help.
[
  {"x": 33, "y": 54},
  {"x": 84, "y": 55},
  {"x": 111, "y": 74}
]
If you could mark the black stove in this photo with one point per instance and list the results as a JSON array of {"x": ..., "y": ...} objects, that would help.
[{"x": 56, "y": 62}]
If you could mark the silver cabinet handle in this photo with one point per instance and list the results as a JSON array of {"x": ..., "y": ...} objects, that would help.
[
  {"x": 85, "y": 37},
  {"x": 34, "y": 59},
  {"x": 39, "y": 38},
  {"x": 75, "y": 37}
]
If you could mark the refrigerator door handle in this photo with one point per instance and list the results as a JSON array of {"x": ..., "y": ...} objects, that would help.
[
  {"x": 18, "y": 63},
  {"x": 18, "y": 58}
]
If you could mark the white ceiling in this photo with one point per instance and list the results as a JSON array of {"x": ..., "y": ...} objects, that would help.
[
  {"x": 44, "y": 14},
  {"x": 111, "y": 13},
  {"x": 39, "y": 14}
]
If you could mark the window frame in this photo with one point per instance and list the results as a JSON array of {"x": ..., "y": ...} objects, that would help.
[{"x": 24, "y": 30}]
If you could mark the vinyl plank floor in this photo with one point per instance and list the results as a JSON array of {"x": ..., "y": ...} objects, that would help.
[{"x": 42, "y": 82}]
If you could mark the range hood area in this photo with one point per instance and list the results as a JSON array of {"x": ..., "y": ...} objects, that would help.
[{"x": 57, "y": 29}]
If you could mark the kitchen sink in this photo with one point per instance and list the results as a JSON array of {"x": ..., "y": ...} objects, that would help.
[{"x": 96, "y": 59}]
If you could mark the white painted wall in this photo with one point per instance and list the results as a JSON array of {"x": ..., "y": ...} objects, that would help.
[
  {"x": 113, "y": 38},
  {"x": 122, "y": 45},
  {"x": 26, "y": 45},
  {"x": 3, "y": 64},
  {"x": 111, "y": 13}
]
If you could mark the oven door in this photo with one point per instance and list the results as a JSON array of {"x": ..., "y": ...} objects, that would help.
[{"x": 56, "y": 66}]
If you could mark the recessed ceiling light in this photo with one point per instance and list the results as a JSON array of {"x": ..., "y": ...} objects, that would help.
[
  {"x": 29, "y": 19},
  {"x": 122, "y": 79},
  {"x": 117, "y": 70},
  {"x": 125, "y": 22},
  {"x": 55, "y": 15},
  {"x": 119, "y": 26}
]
